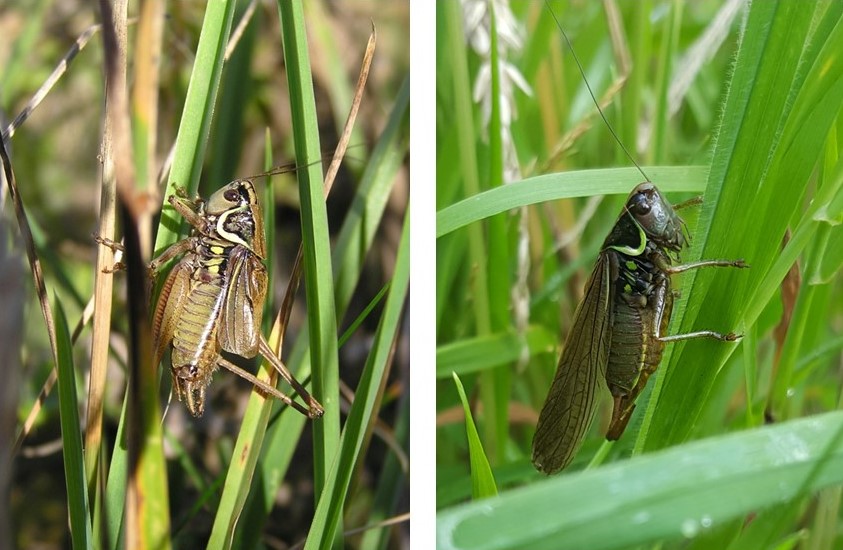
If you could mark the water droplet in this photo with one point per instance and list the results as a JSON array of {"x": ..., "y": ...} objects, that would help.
[
  {"x": 706, "y": 521},
  {"x": 641, "y": 517},
  {"x": 789, "y": 448},
  {"x": 689, "y": 528}
]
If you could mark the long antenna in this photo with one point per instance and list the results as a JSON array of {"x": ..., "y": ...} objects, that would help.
[{"x": 591, "y": 92}]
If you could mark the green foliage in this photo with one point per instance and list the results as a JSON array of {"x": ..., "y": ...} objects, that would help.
[
  {"x": 733, "y": 475},
  {"x": 482, "y": 480},
  {"x": 74, "y": 467},
  {"x": 756, "y": 131}
]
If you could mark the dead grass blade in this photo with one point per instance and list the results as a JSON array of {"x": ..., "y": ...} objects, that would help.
[
  {"x": 54, "y": 77},
  {"x": 237, "y": 33},
  {"x": 147, "y": 520},
  {"x": 29, "y": 244}
]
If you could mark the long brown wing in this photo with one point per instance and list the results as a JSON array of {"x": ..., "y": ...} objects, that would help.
[
  {"x": 570, "y": 404},
  {"x": 242, "y": 312},
  {"x": 171, "y": 302}
]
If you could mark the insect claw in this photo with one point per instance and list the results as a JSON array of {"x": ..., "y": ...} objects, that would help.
[
  {"x": 152, "y": 268},
  {"x": 315, "y": 410},
  {"x": 118, "y": 266}
]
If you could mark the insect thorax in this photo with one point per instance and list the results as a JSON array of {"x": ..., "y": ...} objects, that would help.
[{"x": 636, "y": 277}]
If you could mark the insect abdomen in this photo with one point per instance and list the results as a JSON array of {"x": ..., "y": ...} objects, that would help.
[
  {"x": 194, "y": 339},
  {"x": 627, "y": 350},
  {"x": 636, "y": 350},
  {"x": 195, "y": 349}
]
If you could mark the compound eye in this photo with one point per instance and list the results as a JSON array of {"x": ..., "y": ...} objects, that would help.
[
  {"x": 231, "y": 195},
  {"x": 639, "y": 205}
]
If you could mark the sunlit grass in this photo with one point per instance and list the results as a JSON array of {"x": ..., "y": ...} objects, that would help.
[{"x": 221, "y": 127}]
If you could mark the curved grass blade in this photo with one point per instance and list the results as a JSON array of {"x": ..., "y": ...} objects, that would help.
[
  {"x": 476, "y": 354},
  {"x": 564, "y": 185},
  {"x": 482, "y": 481},
  {"x": 734, "y": 475}
]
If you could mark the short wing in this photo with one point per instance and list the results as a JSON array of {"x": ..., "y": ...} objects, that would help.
[
  {"x": 570, "y": 404},
  {"x": 242, "y": 311},
  {"x": 171, "y": 302}
]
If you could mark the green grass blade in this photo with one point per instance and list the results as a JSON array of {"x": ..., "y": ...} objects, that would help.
[
  {"x": 276, "y": 454},
  {"x": 393, "y": 479},
  {"x": 248, "y": 447},
  {"x": 774, "y": 125},
  {"x": 482, "y": 481},
  {"x": 236, "y": 90},
  {"x": 565, "y": 185},
  {"x": 71, "y": 435},
  {"x": 328, "y": 516},
  {"x": 732, "y": 476},
  {"x": 245, "y": 455},
  {"x": 356, "y": 237},
  {"x": 824, "y": 530},
  {"x": 269, "y": 225},
  {"x": 340, "y": 88},
  {"x": 196, "y": 118},
  {"x": 491, "y": 350},
  {"x": 317, "y": 249},
  {"x": 115, "y": 496},
  {"x": 494, "y": 389},
  {"x": 460, "y": 142},
  {"x": 355, "y": 324}
]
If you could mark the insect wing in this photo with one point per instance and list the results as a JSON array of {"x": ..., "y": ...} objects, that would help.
[
  {"x": 171, "y": 301},
  {"x": 570, "y": 404},
  {"x": 242, "y": 312}
]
